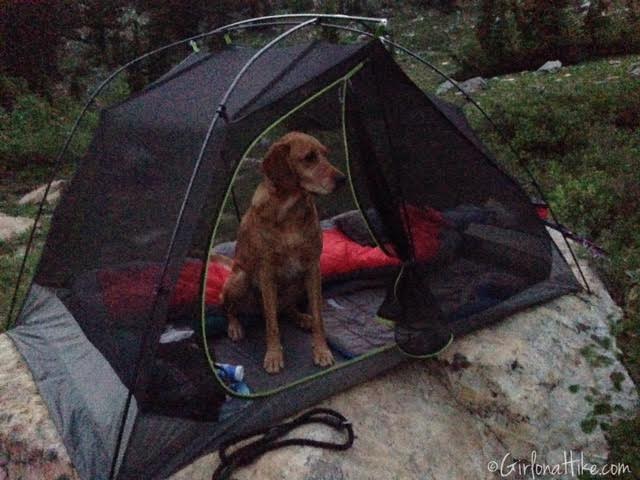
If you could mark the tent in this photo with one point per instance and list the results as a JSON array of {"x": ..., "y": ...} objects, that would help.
[{"x": 429, "y": 240}]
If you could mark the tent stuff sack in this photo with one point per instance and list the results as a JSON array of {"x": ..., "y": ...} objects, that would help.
[{"x": 429, "y": 240}]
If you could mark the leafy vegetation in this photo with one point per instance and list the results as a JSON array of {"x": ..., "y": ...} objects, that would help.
[
  {"x": 571, "y": 130},
  {"x": 625, "y": 441},
  {"x": 33, "y": 130},
  {"x": 515, "y": 35}
]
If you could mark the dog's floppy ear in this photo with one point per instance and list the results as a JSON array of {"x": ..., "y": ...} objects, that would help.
[{"x": 276, "y": 167}]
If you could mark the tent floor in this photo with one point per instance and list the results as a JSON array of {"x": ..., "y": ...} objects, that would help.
[{"x": 352, "y": 331}]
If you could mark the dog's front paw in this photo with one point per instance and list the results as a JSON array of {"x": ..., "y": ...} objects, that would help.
[
  {"x": 235, "y": 331},
  {"x": 322, "y": 356},
  {"x": 274, "y": 360}
]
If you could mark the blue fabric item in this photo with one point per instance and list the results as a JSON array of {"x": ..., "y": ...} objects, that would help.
[
  {"x": 463, "y": 215},
  {"x": 230, "y": 373},
  {"x": 228, "y": 249}
]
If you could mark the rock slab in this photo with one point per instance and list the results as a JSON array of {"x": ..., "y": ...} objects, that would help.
[
  {"x": 546, "y": 380},
  {"x": 543, "y": 381},
  {"x": 35, "y": 196},
  {"x": 551, "y": 66},
  {"x": 30, "y": 447},
  {"x": 12, "y": 227},
  {"x": 473, "y": 85}
]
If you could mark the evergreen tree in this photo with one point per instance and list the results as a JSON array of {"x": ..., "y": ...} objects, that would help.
[{"x": 31, "y": 33}]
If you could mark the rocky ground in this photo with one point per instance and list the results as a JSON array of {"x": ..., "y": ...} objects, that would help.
[{"x": 546, "y": 380}]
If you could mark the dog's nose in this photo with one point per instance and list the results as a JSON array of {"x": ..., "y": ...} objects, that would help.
[{"x": 340, "y": 180}]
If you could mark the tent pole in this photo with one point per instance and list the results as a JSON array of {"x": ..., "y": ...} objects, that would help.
[{"x": 220, "y": 113}]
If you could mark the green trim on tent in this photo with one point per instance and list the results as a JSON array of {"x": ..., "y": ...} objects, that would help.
[
  {"x": 343, "y": 101},
  {"x": 208, "y": 352}
]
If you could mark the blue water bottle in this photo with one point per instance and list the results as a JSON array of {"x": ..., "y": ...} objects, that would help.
[{"x": 230, "y": 373}]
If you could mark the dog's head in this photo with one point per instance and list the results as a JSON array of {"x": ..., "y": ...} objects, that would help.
[{"x": 299, "y": 161}]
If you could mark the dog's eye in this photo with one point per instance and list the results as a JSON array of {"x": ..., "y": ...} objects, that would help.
[{"x": 310, "y": 157}]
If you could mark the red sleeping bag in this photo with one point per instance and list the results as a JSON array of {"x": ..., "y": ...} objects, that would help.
[{"x": 130, "y": 289}]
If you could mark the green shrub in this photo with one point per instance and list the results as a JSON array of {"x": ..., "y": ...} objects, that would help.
[
  {"x": 33, "y": 129},
  {"x": 515, "y": 35},
  {"x": 496, "y": 33},
  {"x": 580, "y": 138},
  {"x": 31, "y": 34},
  {"x": 541, "y": 24},
  {"x": 624, "y": 436},
  {"x": 598, "y": 26}
]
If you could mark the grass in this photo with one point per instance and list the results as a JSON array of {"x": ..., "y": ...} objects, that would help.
[
  {"x": 12, "y": 253},
  {"x": 33, "y": 130},
  {"x": 569, "y": 129},
  {"x": 625, "y": 442},
  {"x": 432, "y": 35},
  {"x": 9, "y": 267}
]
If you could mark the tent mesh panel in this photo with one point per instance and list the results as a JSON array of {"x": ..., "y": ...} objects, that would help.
[{"x": 417, "y": 168}]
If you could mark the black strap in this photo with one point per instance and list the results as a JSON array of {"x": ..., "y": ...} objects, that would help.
[{"x": 247, "y": 454}]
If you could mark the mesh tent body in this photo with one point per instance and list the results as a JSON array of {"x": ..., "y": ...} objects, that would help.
[{"x": 407, "y": 152}]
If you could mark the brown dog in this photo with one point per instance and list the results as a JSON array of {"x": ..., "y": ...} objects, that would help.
[{"x": 279, "y": 245}]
